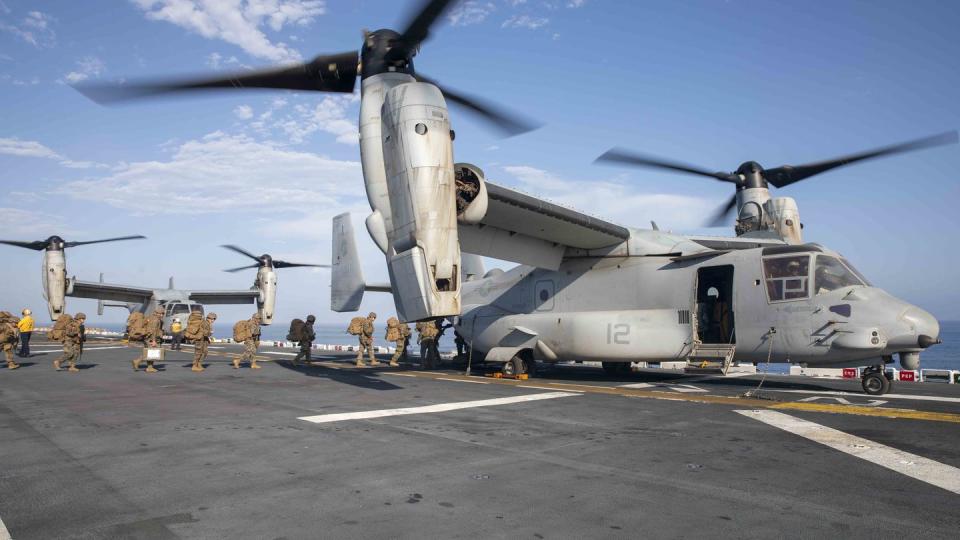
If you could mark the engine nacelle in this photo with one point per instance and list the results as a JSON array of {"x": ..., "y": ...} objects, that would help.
[
  {"x": 472, "y": 198},
  {"x": 55, "y": 282},
  {"x": 424, "y": 254},
  {"x": 267, "y": 283},
  {"x": 787, "y": 219}
]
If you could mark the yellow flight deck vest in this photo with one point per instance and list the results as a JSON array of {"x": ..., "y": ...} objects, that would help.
[{"x": 26, "y": 324}]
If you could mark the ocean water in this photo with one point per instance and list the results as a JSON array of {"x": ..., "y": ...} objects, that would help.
[{"x": 943, "y": 356}]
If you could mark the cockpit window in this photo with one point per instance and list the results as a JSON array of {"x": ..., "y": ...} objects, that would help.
[
  {"x": 196, "y": 307},
  {"x": 787, "y": 278},
  {"x": 180, "y": 309},
  {"x": 832, "y": 274}
]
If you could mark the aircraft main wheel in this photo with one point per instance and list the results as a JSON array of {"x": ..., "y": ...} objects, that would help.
[
  {"x": 875, "y": 383},
  {"x": 513, "y": 367},
  {"x": 530, "y": 366}
]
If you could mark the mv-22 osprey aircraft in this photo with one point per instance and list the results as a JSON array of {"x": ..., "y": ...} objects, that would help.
[
  {"x": 174, "y": 302},
  {"x": 589, "y": 289}
]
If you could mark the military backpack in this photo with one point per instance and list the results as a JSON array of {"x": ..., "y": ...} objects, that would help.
[
  {"x": 58, "y": 332},
  {"x": 137, "y": 326},
  {"x": 194, "y": 326},
  {"x": 356, "y": 326},
  {"x": 241, "y": 331},
  {"x": 296, "y": 330},
  {"x": 8, "y": 326}
]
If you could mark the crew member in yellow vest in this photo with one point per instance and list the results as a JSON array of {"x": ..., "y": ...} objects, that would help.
[
  {"x": 25, "y": 326},
  {"x": 176, "y": 334}
]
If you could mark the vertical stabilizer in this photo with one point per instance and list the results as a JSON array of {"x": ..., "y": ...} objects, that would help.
[
  {"x": 346, "y": 280},
  {"x": 170, "y": 284}
]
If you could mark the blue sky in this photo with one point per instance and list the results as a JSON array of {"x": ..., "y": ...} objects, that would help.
[{"x": 707, "y": 82}]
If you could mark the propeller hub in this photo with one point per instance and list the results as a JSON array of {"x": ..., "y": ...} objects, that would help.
[
  {"x": 55, "y": 243},
  {"x": 385, "y": 51},
  {"x": 752, "y": 176},
  {"x": 266, "y": 260}
]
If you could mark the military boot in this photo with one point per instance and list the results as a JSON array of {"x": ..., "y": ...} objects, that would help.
[
  {"x": 360, "y": 362},
  {"x": 136, "y": 364},
  {"x": 253, "y": 365},
  {"x": 150, "y": 368},
  {"x": 236, "y": 363},
  {"x": 73, "y": 369},
  {"x": 12, "y": 365},
  {"x": 56, "y": 365}
]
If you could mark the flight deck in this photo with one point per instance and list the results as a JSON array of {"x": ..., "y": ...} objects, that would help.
[{"x": 332, "y": 450}]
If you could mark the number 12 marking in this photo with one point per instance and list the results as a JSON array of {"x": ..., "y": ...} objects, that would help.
[{"x": 618, "y": 334}]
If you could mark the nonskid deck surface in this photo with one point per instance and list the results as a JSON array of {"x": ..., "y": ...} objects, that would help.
[{"x": 337, "y": 451}]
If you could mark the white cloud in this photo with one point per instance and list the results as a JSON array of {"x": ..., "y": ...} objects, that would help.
[
  {"x": 470, "y": 12},
  {"x": 33, "y": 81},
  {"x": 34, "y": 29},
  {"x": 243, "y": 112},
  {"x": 239, "y": 22},
  {"x": 576, "y": 3},
  {"x": 226, "y": 173},
  {"x": 334, "y": 114},
  {"x": 525, "y": 21},
  {"x": 87, "y": 67},
  {"x": 19, "y": 223},
  {"x": 613, "y": 200},
  {"x": 17, "y": 147},
  {"x": 217, "y": 61}
]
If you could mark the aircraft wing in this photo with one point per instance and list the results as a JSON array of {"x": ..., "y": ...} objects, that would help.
[
  {"x": 524, "y": 229},
  {"x": 246, "y": 296},
  {"x": 108, "y": 291}
]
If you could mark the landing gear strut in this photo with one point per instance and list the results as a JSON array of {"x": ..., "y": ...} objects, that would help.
[
  {"x": 518, "y": 365},
  {"x": 875, "y": 381}
]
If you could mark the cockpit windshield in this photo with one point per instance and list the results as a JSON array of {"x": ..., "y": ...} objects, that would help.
[
  {"x": 832, "y": 273},
  {"x": 180, "y": 309}
]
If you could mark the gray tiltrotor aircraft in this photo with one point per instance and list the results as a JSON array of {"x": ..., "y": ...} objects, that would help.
[
  {"x": 589, "y": 289},
  {"x": 174, "y": 302}
]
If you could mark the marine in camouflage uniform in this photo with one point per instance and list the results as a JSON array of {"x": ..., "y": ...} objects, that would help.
[
  {"x": 307, "y": 342},
  {"x": 201, "y": 344},
  {"x": 151, "y": 339},
  {"x": 427, "y": 338},
  {"x": 366, "y": 341},
  {"x": 398, "y": 333},
  {"x": 250, "y": 345},
  {"x": 72, "y": 344},
  {"x": 8, "y": 330}
]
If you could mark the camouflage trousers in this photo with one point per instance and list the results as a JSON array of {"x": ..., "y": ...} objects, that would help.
[
  {"x": 366, "y": 345},
  {"x": 71, "y": 352},
  {"x": 249, "y": 351},
  {"x": 200, "y": 351},
  {"x": 401, "y": 351},
  {"x": 8, "y": 351}
]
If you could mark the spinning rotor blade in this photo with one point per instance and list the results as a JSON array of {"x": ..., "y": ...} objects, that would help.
[
  {"x": 39, "y": 245},
  {"x": 786, "y": 175},
  {"x": 285, "y": 264},
  {"x": 239, "y": 268},
  {"x": 330, "y": 73},
  {"x": 418, "y": 29},
  {"x": 719, "y": 216},
  {"x": 242, "y": 252},
  {"x": 117, "y": 239},
  {"x": 619, "y": 155},
  {"x": 509, "y": 123}
]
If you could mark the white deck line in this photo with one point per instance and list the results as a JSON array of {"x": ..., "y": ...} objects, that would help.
[
  {"x": 912, "y": 465},
  {"x": 441, "y": 407},
  {"x": 861, "y": 394},
  {"x": 467, "y": 380}
]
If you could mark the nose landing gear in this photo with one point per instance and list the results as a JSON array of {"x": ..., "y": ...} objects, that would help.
[{"x": 875, "y": 382}]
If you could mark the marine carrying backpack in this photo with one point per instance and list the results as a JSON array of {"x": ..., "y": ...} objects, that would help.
[
  {"x": 241, "y": 331},
  {"x": 193, "y": 325},
  {"x": 8, "y": 326},
  {"x": 296, "y": 330},
  {"x": 356, "y": 326},
  {"x": 58, "y": 332}
]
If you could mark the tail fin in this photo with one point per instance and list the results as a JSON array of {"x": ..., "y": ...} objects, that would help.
[
  {"x": 100, "y": 302},
  {"x": 170, "y": 283},
  {"x": 346, "y": 280}
]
